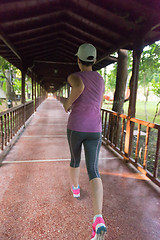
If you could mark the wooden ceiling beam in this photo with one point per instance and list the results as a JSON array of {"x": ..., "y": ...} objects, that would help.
[
  {"x": 9, "y": 44},
  {"x": 45, "y": 45},
  {"x": 27, "y": 20}
]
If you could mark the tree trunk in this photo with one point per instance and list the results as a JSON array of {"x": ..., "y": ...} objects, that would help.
[
  {"x": 132, "y": 100},
  {"x": 157, "y": 112},
  {"x": 121, "y": 80},
  {"x": 10, "y": 94},
  {"x": 119, "y": 95}
]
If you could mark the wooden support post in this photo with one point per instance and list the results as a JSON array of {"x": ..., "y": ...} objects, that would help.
[
  {"x": 41, "y": 93},
  {"x": 40, "y": 90},
  {"x": 23, "y": 97},
  {"x": 23, "y": 86},
  {"x": 32, "y": 87},
  {"x": 132, "y": 101},
  {"x": 68, "y": 90},
  {"x": 35, "y": 94}
]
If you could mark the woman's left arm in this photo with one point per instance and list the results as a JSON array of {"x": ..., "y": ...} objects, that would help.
[{"x": 77, "y": 89}]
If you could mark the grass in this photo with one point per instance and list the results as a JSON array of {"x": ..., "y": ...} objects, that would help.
[{"x": 140, "y": 110}]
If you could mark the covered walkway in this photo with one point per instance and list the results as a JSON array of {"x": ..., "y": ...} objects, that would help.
[{"x": 35, "y": 197}]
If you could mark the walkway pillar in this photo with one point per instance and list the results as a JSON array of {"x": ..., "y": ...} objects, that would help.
[
  {"x": 23, "y": 98},
  {"x": 41, "y": 93},
  {"x": 68, "y": 90},
  {"x": 37, "y": 89},
  {"x": 132, "y": 101},
  {"x": 32, "y": 87},
  {"x": 35, "y": 94},
  {"x": 40, "y": 90}
]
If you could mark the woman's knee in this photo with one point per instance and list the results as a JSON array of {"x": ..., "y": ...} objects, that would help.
[
  {"x": 74, "y": 164},
  {"x": 93, "y": 174}
]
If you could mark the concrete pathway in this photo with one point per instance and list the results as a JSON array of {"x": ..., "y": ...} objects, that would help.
[{"x": 35, "y": 197}]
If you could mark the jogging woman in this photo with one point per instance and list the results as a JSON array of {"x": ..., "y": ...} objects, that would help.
[{"x": 84, "y": 127}]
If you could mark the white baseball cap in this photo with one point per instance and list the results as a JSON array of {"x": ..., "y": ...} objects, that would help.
[{"x": 87, "y": 52}]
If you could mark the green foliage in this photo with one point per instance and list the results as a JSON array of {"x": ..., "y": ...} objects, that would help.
[
  {"x": 4, "y": 87},
  {"x": 100, "y": 72},
  {"x": 150, "y": 65},
  {"x": 111, "y": 83},
  {"x": 130, "y": 61},
  {"x": 5, "y": 65},
  {"x": 15, "y": 82},
  {"x": 17, "y": 85},
  {"x": 156, "y": 87}
]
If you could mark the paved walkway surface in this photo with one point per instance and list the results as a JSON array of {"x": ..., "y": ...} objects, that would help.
[{"x": 35, "y": 197}]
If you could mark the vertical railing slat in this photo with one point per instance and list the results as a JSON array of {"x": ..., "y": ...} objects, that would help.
[
  {"x": 122, "y": 134},
  {"x": 8, "y": 128},
  {"x": 155, "y": 173},
  {"x": 117, "y": 131},
  {"x": 5, "y": 131},
  {"x": 11, "y": 129},
  {"x": 102, "y": 118},
  {"x": 2, "y": 134},
  {"x": 13, "y": 119},
  {"x": 146, "y": 148},
  {"x": 109, "y": 125},
  {"x": 137, "y": 143},
  {"x": 105, "y": 124}
]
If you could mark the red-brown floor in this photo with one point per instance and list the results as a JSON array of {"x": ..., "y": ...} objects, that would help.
[{"x": 35, "y": 197}]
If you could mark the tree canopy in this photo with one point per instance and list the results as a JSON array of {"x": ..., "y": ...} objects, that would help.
[{"x": 149, "y": 72}]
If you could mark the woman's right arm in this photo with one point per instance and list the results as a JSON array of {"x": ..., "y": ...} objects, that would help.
[{"x": 77, "y": 89}]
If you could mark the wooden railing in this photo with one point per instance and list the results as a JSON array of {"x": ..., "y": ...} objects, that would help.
[
  {"x": 144, "y": 143},
  {"x": 12, "y": 120},
  {"x": 39, "y": 100}
]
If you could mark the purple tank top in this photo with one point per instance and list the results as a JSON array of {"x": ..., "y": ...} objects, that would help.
[{"x": 85, "y": 115}]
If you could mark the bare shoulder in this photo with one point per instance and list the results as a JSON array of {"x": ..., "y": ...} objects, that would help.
[
  {"x": 73, "y": 77},
  {"x": 74, "y": 80}
]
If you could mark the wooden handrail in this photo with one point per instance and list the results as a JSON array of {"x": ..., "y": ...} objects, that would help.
[
  {"x": 113, "y": 140},
  {"x": 136, "y": 120},
  {"x": 14, "y": 108},
  {"x": 12, "y": 120}
]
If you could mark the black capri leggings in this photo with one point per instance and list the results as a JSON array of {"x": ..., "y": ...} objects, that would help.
[{"x": 92, "y": 143}]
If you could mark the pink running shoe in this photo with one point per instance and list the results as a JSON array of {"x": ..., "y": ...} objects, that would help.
[
  {"x": 75, "y": 191},
  {"x": 93, "y": 237},
  {"x": 99, "y": 229}
]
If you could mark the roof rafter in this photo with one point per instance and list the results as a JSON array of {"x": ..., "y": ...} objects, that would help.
[{"x": 9, "y": 44}]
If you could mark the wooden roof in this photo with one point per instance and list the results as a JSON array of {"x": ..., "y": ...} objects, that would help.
[{"x": 44, "y": 35}]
